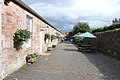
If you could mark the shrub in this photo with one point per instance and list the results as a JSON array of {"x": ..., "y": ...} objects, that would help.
[
  {"x": 111, "y": 27},
  {"x": 97, "y": 30}
]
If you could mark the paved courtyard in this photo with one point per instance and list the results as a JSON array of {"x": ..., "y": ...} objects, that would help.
[{"x": 66, "y": 63}]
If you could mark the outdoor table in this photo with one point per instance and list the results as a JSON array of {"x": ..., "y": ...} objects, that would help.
[{"x": 87, "y": 48}]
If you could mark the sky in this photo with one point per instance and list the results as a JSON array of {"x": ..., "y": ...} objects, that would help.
[{"x": 64, "y": 14}]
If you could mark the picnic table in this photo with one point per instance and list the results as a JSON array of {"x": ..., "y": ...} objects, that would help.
[{"x": 86, "y": 48}]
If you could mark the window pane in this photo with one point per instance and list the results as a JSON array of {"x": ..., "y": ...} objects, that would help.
[{"x": 29, "y": 27}]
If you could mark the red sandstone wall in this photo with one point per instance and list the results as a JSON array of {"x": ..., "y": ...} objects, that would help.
[
  {"x": 13, "y": 18},
  {"x": 11, "y": 15}
]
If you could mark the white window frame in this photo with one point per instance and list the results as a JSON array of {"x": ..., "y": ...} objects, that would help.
[{"x": 29, "y": 24}]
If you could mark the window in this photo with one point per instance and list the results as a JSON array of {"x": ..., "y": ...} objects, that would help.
[{"x": 29, "y": 27}]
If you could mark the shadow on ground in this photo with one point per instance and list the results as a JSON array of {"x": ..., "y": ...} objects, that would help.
[{"x": 108, "y": 66}]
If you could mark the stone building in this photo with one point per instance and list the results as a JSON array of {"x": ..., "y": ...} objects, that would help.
[
  {"x": 14, "y": 14},
  {"x": 116, "y": 20}
]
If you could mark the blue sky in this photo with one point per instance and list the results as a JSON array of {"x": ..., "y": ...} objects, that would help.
[{"x": 64, "y": 14}]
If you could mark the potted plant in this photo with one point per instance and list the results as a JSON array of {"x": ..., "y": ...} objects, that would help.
[
  {"x": 31, "y": 58},
  {"x": 47, "y": 36},
  {"x": 53, "y": 37},
  {"x": 53, "y": 46},
  {"x": 49, "y": 48},
  {"x": 20, "y": 36}
]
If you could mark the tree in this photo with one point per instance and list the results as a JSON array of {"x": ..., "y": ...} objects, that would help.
[{"x": 80, "y": 27}]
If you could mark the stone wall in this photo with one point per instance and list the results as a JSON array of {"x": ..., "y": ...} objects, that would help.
[
  {"x": 13, "y": 18},
  {"x": 51, "y": 31},
  {"x": 108, "y": 42},
  {"x": 10, "y": 57}
]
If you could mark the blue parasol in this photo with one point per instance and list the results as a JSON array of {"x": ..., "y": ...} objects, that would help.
[{"x": 87, "y": 34}]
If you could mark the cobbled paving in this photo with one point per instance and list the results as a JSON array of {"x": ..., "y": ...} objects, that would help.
[{"x": 66, "y": 63}]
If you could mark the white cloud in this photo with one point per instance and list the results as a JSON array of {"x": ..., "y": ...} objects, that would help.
[
  {"x": 96, "y": 12},
  {"x": 105, "y": 7},
  {"x": 73, "y": 16},
  {"x": 95, "y": 24}
]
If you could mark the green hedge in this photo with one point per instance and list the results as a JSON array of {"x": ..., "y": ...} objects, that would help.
[{"x": 106, "y": 28}]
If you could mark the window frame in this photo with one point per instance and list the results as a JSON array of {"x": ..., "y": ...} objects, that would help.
[{"x": 29, "y": 25}]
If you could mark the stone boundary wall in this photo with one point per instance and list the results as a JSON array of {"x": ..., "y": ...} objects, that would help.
[{"x": 108, "y": 42}]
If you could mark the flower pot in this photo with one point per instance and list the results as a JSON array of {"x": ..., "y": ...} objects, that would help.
[
  {"x": 32, "y": 60},
  {"x": 49, "y": 49}
]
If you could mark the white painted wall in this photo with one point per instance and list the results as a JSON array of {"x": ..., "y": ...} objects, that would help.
[{"x": 29, "y": 42}]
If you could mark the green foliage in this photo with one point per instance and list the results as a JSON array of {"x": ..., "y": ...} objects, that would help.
[
  {"x": 97, "y": 30},
  {"x": 60, "y": 39},
  {"x": 49, "y": 48},
  {"x": 53, "y": 46},
  {"x": 33, "y": 55},
  {"x": 114, "y": 26},
  {"x": 117, "y": 25},
  {"x": 79, "y": 39},
  {"x": 53, "y": 37},
  {"x": 105, "y": 28},
  {"x": 111, "y": 27},
  {"x": 80, "y": 27},
  {"x": 57, "y": 37},
  {"x": 20, "y": 36},
  {"x": 47, "y": 36}
]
